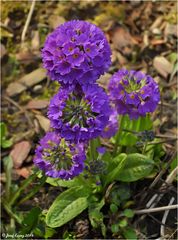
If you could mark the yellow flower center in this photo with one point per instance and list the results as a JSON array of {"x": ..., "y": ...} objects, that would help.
[
  {"x": 70, "y": 49},
  {"x": 75, "y": 56},
  {"x": 132, "y": 96},
  {"x": 88, "y": 50},
  {"x": 142, "y": 91}
]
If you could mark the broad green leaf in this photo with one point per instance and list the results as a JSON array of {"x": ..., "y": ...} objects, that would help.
[
  {"x": 77, "y": 181},
  {"x": 117, "y": 165},
  {"x": 62, "y": 183},
  {"x": 67, "y": 205},
  {"x": 137, "y": 166}
]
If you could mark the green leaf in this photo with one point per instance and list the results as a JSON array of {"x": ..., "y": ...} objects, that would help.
[
  {"x": 129, "y": 138},
  {"x": 95, "y": 215},
  {"x": 137, "y": 166},
  {"x": 49, "y": 232},
  {"x": 123, "y": 223},
  {"x": 8, "y": 164},
  {"x": 30, "y": 221},
  {"x": 3, "y": 129},
  {"x": 130, "y": 234},
  {"x": 3, "y": 132},
  {"x": 6, "y": 143},
  {"x": 62, "y": 183},
  {"x": 113, "y": 208},
  {"x": 117, "y": 165},
  {"x": 128, "y": 213},
  {"x": 114, "y": 228},
  {"x": 67, "y": 205}
]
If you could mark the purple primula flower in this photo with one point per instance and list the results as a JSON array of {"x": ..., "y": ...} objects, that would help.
[
  {"x": 133, "y": 93},
  {"x": 79, "y": 115},
  {"x": 76, "y": 52},
  {"x": 112, "y": 126},
  {"x": 59, "y": 158}
]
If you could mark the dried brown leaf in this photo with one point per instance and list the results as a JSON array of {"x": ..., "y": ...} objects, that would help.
[
  {"x": 20, "y": 152},
  {"x": 37, "y": 104}
]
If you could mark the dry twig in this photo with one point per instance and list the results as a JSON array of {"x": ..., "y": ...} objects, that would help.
[{"x": 28, "y": 21}]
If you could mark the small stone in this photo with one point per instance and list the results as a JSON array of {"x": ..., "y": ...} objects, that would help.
[
  {"x": 156, "y": 31},
  {"x": 37, "y": 88}
]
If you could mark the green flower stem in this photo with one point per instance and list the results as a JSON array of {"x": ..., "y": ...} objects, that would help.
[
  {"x": 24, "y": 185},
  {"x": 118, "y": 135},
  {"x": 144, "y": 148},
  {"x": 7, "y": 207},
  {"x": 33, "y": 191}
]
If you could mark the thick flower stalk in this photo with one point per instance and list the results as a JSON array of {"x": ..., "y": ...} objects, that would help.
[
  {"x": 76, "y": 52},
  {"x": 133, "y": 93},
  {"x": 79, "y": 116},
  {"x": 58, "y": 158}
]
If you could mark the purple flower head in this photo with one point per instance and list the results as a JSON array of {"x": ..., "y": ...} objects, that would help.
[
  {"x": 133, "y": 93},
  {"x": 58, "y": 158},
  {"x": 112, "y": 126},
  {"x": 79, "y": 117},
  {"x": 76, "y": 52}
]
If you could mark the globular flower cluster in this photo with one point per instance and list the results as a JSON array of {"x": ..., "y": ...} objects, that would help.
[
  {"x": 76, "y": 52},
  {"x": 79, "y": 118},
  {"x": 58, "y": 158},
  {"x": 133, "y": 93}
]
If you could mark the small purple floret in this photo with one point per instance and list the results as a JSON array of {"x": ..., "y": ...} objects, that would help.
[{"x": 112, "y": 126}]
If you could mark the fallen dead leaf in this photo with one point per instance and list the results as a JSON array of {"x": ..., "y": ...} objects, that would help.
[
  {"x": 55, "y": 21},
  {"x": 158, "y": 41},
  {"x": 171, "y": 29},
  {"x": 24, "y": 172},
  {"x": 26, "y": 57},
  {"x": 163, "y": 66},
  {"x": 37, "y": 104},
  {"x": 15, "y": 88},
  {"x": 26, "y": 81},
  {"x": 20, "y": 152},
  {"x": 44, "y": 122},
  {"x": 35, "y": 41},
  {"x": 122, "y": 40}
]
